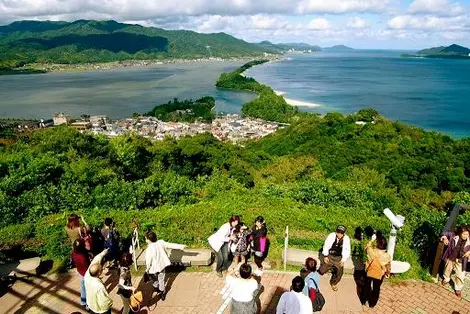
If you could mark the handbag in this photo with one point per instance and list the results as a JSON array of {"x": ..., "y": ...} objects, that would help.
[
  {"x": 318, "y": 301},
  {"x": 135, "y": 301}
]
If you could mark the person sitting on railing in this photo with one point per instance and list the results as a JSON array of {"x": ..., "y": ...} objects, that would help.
[{"x": 456, "y": 256}]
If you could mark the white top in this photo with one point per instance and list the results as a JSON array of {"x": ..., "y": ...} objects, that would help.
[
  {"x": 330, "y": 240},
  {"x": 156, "y": 258},
  {"x": 97, "y": 298},
  {"x": 220, "y": 237},
  {"x": 294, "y": 303},
  {"x": 242, "y": 289}
]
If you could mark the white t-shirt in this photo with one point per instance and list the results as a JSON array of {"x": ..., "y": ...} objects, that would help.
[
  {"x": 242, "y": 289},
  {"x": 294, "y": 303}
]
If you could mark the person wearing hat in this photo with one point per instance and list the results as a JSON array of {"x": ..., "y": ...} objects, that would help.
[{"x": 336, "y": 251}]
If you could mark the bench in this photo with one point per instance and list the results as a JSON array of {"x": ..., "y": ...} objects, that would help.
[
  {"x": 297, "y": 257},
  {"x": 186, "y": 257}
]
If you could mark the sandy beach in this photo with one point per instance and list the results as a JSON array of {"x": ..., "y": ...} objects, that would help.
[{"x": 297, "y": 103}]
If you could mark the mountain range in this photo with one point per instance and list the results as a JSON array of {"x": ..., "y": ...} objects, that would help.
[{"x": 86, "y": 41}]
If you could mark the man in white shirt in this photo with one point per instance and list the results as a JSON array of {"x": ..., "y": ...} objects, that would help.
[
  {"x": 156, "y": 260},
  {"x": 295, "y": 302},
  {"x": 97, "y": 298},
  {"x": 336, "y": 251}
]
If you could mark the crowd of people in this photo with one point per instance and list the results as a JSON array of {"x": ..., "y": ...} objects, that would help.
[
  {"x": 234, "y": 241},
  {"x": 90, "y": 264}
]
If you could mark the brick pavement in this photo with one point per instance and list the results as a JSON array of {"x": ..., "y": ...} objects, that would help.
[{"x": 199, "y": 293}]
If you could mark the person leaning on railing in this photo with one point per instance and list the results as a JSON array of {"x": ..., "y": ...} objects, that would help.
[{"x": 456, "y": 256}]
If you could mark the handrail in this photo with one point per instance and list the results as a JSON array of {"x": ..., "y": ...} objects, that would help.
[{"x": 450, "y": 225}]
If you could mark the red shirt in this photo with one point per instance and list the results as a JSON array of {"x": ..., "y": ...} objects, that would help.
[{"x": 81, "y": 261}]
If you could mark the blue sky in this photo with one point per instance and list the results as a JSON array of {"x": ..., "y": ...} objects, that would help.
[{"x": 382, "y": 24}]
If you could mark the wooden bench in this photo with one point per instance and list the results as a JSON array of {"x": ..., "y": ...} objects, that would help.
[
  {"x": 186, "y": 257},
  {"x": 297, "y": 257}
]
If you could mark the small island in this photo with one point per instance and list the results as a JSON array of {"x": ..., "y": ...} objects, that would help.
[
  {"x": 451, "y": 52},
  {"x": 338, "y": 48}
]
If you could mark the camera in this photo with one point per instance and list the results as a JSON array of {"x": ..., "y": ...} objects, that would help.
[{"x": 396, "y": 220}]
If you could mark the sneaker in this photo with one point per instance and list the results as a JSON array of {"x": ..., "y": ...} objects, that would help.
[
  {"x": 458, "y": 293},
  {"x": 163, "y": 296},
  {"x": 334, "y": 288},
  {"x": 444, "y": 283},
  {"x": 219, "y": 274}
]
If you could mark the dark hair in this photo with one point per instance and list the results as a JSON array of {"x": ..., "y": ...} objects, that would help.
[
  {"x": 73, "y": 222},
  {"x": 151, "y": 236},
  {"x": 358, "y": 233},
  {"x": 462, "y": 229},
  {"x": 311, "y": 264},
  {"x": 79, "y": 246},
  {"x": 245, "y": 271},
  {"x": 233, "y": 218},
  {"x": 108, "y": 221},
  {"x": 381, "y": 243},
  {"x": 260, "y": 219},
  {"x": 126, "y": 260},
  {"x": 298, "y": 284}
]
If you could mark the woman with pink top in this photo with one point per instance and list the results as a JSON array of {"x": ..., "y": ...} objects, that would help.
[{"x": 259, "y": 241}]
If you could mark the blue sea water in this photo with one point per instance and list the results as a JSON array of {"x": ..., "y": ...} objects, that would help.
[
  {"x": 117, "y": 93},
  {"x": 430, "y": 93}
]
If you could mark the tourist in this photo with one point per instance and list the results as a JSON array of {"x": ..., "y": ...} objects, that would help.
[
  {"x": 456, "y": 257},
  {"x": 125, "y": 288},
  {"x": 97, "y": 298},
  {"x": 219, "y": 242},
  {"x": 378, "y": 266},
  {"x": 244, "y": 290},
  {"x": 74, "y": 229},
  {"x": 241, "y": 246},
  {"x": 311, "y": 276},
  {"x": 156, "y": 260},
  {"x": 259, "y": 242},
  {"x": 358, "y": 259},
  {"x": 336, "y": 251},
  {"x": 294, "y": 301},
  {"x": 81, "y": 260},
  {"x": 111, "y": 241}
]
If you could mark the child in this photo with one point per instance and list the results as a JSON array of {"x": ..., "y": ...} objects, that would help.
[{"x": 241, "y": 246}]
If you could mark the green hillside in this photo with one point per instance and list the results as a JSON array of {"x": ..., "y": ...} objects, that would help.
[
  {"x": 285, "y": 47},
  {"x": 85, "y": 41},
  {"x": 451, "y": 52}
]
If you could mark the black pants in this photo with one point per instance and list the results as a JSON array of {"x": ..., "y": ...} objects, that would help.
[
  {"x": 223, "y": 262},
  {"x": 371, "y": 291},
  {"x": 333, "y": 265},
  {"x": 259, "y": 261}
]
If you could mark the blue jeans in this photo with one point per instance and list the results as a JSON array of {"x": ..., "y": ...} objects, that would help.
[{"x": 82, "y": 290}]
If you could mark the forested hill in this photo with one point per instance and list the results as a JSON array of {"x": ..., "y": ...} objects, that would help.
[{"x": 86, "y": 41}]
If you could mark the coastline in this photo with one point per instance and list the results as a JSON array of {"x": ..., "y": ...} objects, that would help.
[
  {"x": 297, "y": 103},
  {"x": 53, "y": 67}
]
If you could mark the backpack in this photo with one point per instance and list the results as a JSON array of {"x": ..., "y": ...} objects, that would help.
[
  {"x": 110, "y": 240},
  {"x": 318, "y": 301},
  {"x": 375, "y": 269}
]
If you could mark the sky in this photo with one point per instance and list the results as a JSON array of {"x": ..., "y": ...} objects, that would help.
[{"x": 381, "y": 24}]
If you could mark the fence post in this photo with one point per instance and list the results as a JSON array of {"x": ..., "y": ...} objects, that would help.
[{"x": 286, "y": 244}]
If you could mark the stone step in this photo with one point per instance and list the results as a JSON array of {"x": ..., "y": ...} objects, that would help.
[
  {"x": 297, "y": 257},
  {"x": 186, "y": 257}
]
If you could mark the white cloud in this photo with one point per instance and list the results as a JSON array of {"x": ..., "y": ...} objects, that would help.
[
  {"x": 428, "y": 23},
  {"x": 149, "y": 9},
  {"x": 357, "y": 23},
  {"x": 435, "y": 7},
  {"x": 318, "y": 24}
]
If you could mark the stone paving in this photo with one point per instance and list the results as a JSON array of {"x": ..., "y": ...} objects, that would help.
[{"x": 199, "y": 293}]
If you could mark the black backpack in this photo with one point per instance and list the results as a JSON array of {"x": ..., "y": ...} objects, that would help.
[{"x": 318, "y": 301}]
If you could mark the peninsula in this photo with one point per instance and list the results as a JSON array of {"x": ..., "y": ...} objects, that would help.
[{"x": 451, "y": 52}]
